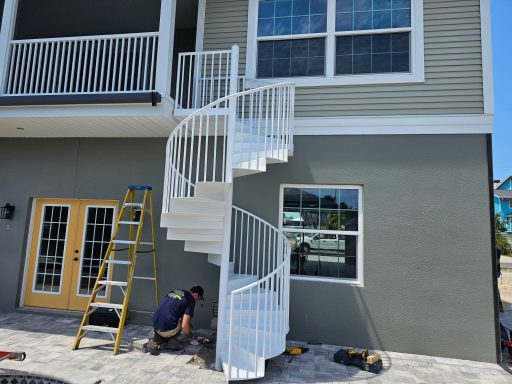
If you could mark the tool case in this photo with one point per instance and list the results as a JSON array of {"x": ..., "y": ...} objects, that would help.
[
  {"x": 105, "y": 317},
  {"x": 342, "y": 357}
]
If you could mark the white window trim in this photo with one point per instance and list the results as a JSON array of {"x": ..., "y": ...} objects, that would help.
[
  {"x": 358, "y": 281},
  {"x": 417, "y": 74}
]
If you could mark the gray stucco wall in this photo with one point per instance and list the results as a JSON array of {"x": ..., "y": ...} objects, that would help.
[
  {"x": 93, "y": 169},
  {"x": 427, "y": 254}
]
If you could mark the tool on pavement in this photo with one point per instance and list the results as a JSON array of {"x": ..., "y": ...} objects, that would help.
[
  {"x": 8, "y": 355},
  {"x": 294, "y": 351},
  {"x": 371, "y": 362},
  {"x": 134, "y": 214}
]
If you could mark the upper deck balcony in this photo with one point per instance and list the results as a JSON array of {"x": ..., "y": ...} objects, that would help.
[{"x": 91, "y": 67}]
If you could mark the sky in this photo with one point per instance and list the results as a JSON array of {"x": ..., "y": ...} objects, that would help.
[{"x": 502, "y": 65}]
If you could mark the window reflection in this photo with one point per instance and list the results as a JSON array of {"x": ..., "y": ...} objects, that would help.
[
  {"x": 327, "y": 255},
  {"x": 311, "y": 218},
  {"x": 314, "y": 208}
]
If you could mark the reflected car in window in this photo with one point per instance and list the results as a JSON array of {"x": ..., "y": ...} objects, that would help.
[{"x": 321, "y": 241}]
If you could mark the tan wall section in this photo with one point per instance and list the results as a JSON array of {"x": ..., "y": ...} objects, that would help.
[{"x": 453, "y": 65}]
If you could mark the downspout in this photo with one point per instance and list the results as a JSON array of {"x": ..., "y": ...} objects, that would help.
[{"x": 490, "y": 181}]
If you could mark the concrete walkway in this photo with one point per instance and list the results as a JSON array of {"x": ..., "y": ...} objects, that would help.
[{"x": 47, "y": 341}]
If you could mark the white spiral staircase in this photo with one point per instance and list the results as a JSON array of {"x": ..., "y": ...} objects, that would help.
[{"x": 234, "y": 127}]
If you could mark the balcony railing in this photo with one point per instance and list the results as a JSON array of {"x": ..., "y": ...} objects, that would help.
[{"x": 82, "y": 65}]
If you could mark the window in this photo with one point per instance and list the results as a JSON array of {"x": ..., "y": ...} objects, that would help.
[
  {"x": 329, "y": 42},
  {"x": 324, "y": 227}
]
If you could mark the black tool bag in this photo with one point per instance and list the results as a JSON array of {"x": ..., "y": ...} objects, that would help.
[
  {"x": 342, "y": 357},
  {"x": 105, "y": 317}
]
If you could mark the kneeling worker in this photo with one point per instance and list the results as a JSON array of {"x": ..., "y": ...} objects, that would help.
[{"x": 172, "y": 316}]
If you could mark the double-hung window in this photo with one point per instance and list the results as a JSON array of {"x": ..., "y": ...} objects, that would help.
[
  {"x": 329, "y": 42},
  {"x": 324, "y": 227}
]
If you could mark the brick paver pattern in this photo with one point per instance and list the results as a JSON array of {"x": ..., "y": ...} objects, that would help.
[{"x": 47, "y": 341}]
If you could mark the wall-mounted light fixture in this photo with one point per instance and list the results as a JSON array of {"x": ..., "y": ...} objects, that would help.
[{"x": 7, "y": 211}]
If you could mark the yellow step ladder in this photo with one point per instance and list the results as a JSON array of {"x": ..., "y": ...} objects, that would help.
[{"x": 132, "y": 214}]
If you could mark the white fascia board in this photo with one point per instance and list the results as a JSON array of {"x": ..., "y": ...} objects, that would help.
[
  {"x": 394, "y": 125},
  {"x": 165, "y": 109},
  {"x": 487, "y": 72}
]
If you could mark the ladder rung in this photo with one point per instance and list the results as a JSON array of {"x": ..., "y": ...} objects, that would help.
[
  {"x": 140, "y": 205},
  {"x": 122, "y": 262},
  {"x": 145, "y": 243},
  {"x": 99, "y": 328},
  {"x": 107, "y": 305},
  {"x": 130, "y": 222},
  {"x": 112, "y": 282},
  {"x": 132, "y": 242},
  {"x": 143, "y": 278}
]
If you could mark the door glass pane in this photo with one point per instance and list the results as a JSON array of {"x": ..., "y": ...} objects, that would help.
[
  {"x": 51, "y": 248},
  {"x": 98, "y": 229}
]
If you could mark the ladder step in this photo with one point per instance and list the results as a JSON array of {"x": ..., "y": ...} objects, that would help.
[
  {"x": 112, "y": 282},
  {"x": 121, "y": 262},
  {"x": 141, "y": 187},
  {"x": 143, "y": 278},
  {"x": 132, "y": 242},
  {"x": 130, "y": 222},
  {"x": 140, "y": 205},
  {"x": 107, "y": 305},
  {"x": 99, "y": 328}
]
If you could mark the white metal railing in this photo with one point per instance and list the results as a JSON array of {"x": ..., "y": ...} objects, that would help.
[
  {"x": 259, "y": 312},
  {"x": 83, "y": 65},
  {"x": 206, "y": 146},
  {"x": 202, "y": 78}
]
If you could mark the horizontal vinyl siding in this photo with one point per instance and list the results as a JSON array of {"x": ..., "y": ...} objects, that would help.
[{"x": 453, "y": 65}]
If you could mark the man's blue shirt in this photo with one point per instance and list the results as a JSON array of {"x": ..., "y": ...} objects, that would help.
[{"x": 177, "y": 303}]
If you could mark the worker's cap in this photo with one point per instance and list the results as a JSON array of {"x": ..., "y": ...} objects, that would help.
[{"x": 198, "y": 289}]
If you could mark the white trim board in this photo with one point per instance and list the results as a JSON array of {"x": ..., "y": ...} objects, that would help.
[
  {"x": 394, "y": 125},
  {"x": 487, "y": 72}
]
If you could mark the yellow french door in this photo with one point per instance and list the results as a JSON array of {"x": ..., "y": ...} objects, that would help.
[{"x": 69, "y": 240}]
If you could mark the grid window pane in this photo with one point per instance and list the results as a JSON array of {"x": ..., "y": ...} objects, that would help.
[
  {"x": 381, "y": 53},
  {"x": 51, "y": 248},
  {"x": 313, "y": 219},
  {"x": 286, "y": 17},
  {"x": 359, "y": 15},
  {"x": 323, "y": 255},
  {"x": 97, "y": 237},
  {"x": 285, "y": 58}
]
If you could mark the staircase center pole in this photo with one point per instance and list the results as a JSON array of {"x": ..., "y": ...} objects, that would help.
[{"x": 224, "y": 266}]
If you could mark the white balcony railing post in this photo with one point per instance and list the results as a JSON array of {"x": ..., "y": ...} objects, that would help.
[
  {"x": 233, "y": 87},
  {"x": 165, "y": 47},
  {"x": 6, "y": 35}
]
